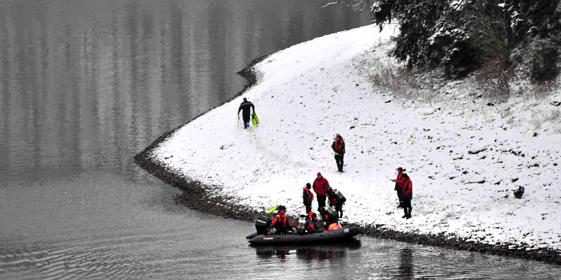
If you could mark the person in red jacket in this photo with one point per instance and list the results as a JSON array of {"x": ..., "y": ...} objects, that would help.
[
  {"x": 338, "y": 147},
  {"x": 321, "y": 186},
  {"x": 399, "y": 182},
  {"x": 280, "y": 222},
  {"x": 308, "y": 197},
  {"x": 407, "y": 196},
  {"x": 311, "y": 222}
]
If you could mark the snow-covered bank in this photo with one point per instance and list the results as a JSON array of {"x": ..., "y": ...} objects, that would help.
[{"x": 464, "y": 157}]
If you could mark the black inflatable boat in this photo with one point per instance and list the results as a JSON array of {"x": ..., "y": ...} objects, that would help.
[{"x": 341, "y": 235}]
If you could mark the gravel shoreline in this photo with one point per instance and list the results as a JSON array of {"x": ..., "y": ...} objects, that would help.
[{"x": 199, "y": 197}]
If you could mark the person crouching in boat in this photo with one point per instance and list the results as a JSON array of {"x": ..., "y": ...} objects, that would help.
[
  {"x": 281, "y": 222},
  {"x": 307, "y": 223},
  {"x": 328, "y": 216}
]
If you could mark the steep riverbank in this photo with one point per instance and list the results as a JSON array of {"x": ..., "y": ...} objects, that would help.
[{"x": 308, "y": 92}]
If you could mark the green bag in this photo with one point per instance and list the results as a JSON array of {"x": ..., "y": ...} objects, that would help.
[
  {"x": 255, "y": 119},
  {"x": 272, "y": 209}
]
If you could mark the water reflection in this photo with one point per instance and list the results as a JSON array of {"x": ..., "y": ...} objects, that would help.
[
  {"x": 308, "y": 253},
  {"x": 85, "y": 85},
  {"x": 405, "y": 269}
]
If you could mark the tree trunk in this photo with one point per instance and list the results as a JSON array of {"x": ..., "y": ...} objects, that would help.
[{"x": 508, "y": 30}]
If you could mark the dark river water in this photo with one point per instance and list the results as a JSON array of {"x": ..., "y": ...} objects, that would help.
[{"x": 85, "y": 85}]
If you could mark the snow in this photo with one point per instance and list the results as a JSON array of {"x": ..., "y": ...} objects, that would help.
[
  {"x": 458, "y": 5},
  {"x": 465, "y": 157}
]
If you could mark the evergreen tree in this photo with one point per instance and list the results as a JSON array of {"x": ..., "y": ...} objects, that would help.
[
  {"x": 463, "y": 35},
  {"x": 537, "y": 32}
]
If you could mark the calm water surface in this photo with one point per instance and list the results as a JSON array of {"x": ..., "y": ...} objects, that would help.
[{"x": 85, "y": 85}]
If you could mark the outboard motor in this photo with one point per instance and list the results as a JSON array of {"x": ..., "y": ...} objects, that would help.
[{"x": 262, "y": 224}]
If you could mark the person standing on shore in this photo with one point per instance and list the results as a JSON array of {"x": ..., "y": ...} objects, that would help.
[
  {"x": 338, "y": 147},
  {"x": 308, "y": 197},
  {"x": 399, "y": 181},
  {"x": 407, "y": 195},
  {"x": 336, "y": 201},
  {"x": 246, "y": 107},
  {"x": 321, "y": 186}
]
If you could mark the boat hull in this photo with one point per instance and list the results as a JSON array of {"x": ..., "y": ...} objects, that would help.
[{"x": 336, "y": 236}]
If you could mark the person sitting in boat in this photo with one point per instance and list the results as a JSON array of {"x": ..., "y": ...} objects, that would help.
[
  {"x": 328, "y": 216},
  {"x": 281, "y": 222},
  {"x": 311, "y": 222}
]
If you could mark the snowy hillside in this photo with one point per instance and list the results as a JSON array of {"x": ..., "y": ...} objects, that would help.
[{"x": 464, "y": 152}]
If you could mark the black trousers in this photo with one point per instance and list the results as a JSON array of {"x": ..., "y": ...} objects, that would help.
[
  {"x": 281, "y": 229},
  {"x": 407, "y": 206},
  {"x": 339, "y": 161},
  {"x": 245, "y": 121},
  {"x": 321, "y": 201},
  {"x": 308, "y": 207}
]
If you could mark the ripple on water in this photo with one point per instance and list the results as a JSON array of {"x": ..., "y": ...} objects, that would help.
[{"x": 110, "y": 262}]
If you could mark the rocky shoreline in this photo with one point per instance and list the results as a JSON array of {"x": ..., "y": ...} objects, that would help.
[{"x": 199, "y": 197}]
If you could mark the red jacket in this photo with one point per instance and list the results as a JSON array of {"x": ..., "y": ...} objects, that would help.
[
  {"x": 311, "y": 222},
  {"x": 282, "y": 219},
  {"x": 338, "y": 145},
  {"x": 408, "y": 188},
  {"x": 400, "y": 180},
  {"x": 332, "y": 198},
  {"x": 321, "y": 185}
]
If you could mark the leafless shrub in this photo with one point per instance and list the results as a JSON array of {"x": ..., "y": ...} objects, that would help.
[
  {"x": 539, "y": 118},
  {"x": 545, "y": 88},
  {"x": 494, "y": 78},
  {"x": 400, "y": 81}
]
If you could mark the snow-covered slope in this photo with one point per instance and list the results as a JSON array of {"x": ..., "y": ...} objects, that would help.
[{"x": 464, "y": 157}]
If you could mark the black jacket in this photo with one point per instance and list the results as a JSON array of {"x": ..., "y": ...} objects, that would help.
[{"x": 246, "y": 108}]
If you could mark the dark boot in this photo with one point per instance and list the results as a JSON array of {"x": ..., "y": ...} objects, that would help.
[
  {"x": 408, "y": 214},
  {"x": 405, "y": 213}
]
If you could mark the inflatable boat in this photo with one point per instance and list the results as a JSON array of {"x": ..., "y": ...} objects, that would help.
[{"x": 336, "y": 236}]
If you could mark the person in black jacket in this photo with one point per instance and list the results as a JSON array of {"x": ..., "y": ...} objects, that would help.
[
  {"x": 328, "y": 216},
  {"x": 246, "y": 107},
  {"x": 336, "y": 201}
]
